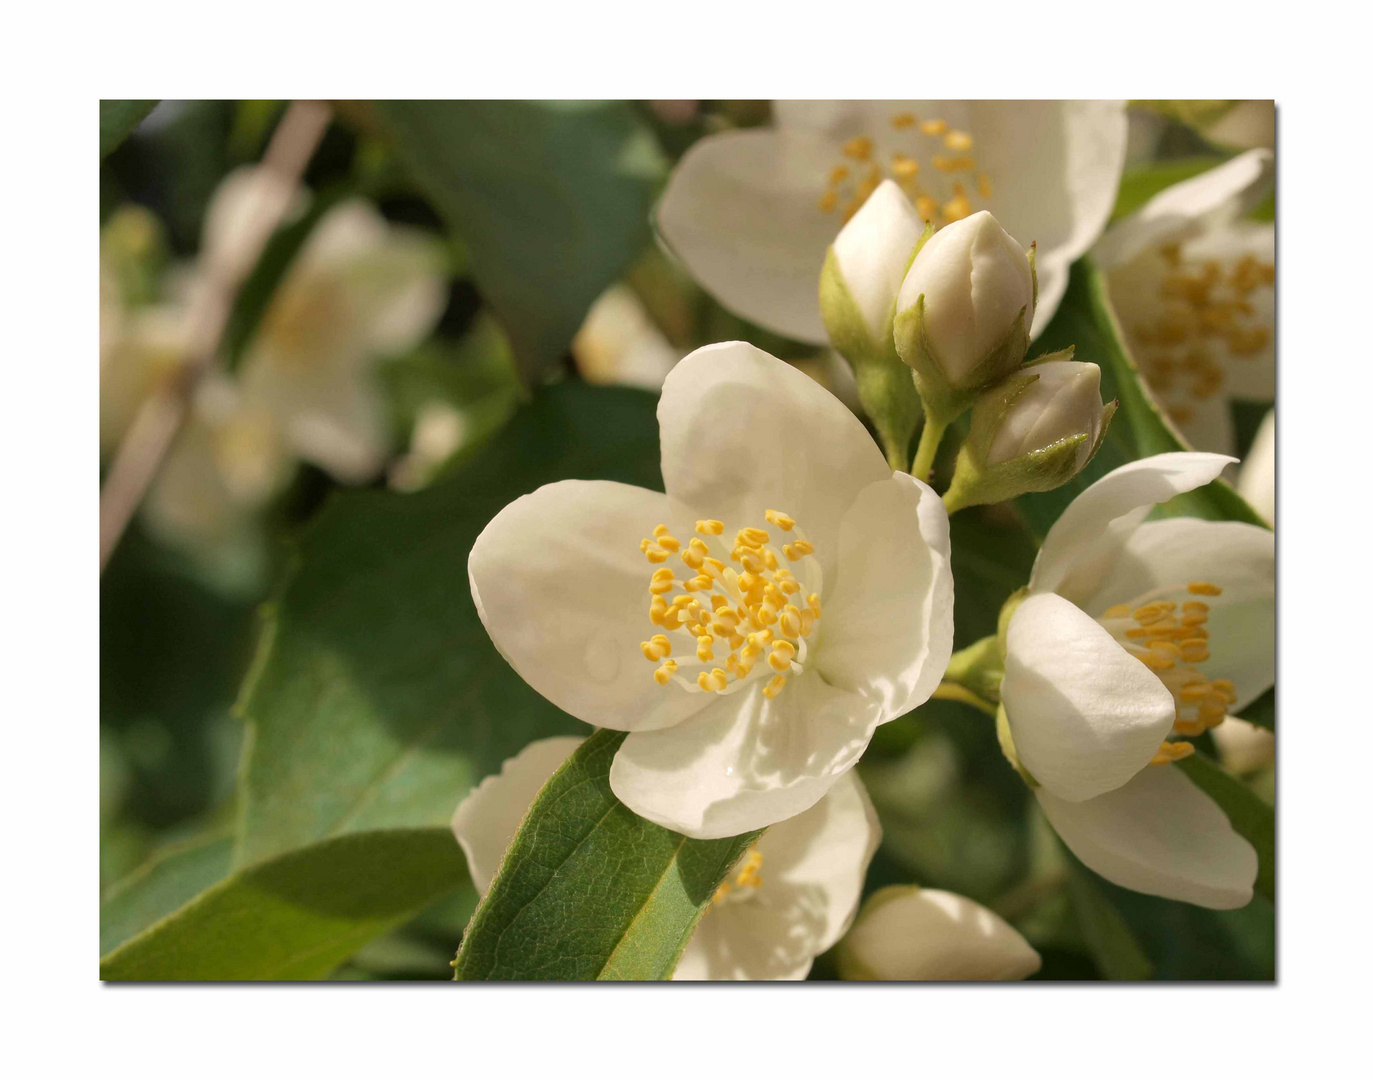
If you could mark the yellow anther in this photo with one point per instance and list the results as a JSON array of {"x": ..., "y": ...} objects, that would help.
[
  {"x": 1195, "y": 650},
  {"x": 785, "y": 649},
  {"x": 1149, "y": 614},
  {"x": 778, "y": 662},
  {"x": 952, "y": 164},
  {"x": 789, "y": 622},
  {"x": 751, "y": 561},
  {"x": 703, "y": 581},
  {"x": 766, "y": 614},
  {"x": 958, "y": 141},
  {"x": 1226, "y": 688},
  {"x": 751, "y": 538},
  {"x": 826, "y": 205},
  {"x": 662, "y": 581},
  {"x": 905, "y": 168},
  {"x": 1204, "y": 588},
  {"x": 1155, "y": 662},
  {"x": 1166, "y": 649},
  {"x": 927, "y": 209},
  {"x": 790, "y": 587},
  {"x": 808, "y": 623},
  {"x": 958, "y": 207},
  {"x": 777, "y": 518},
  {"x": 798, "y": 549},
  {"x": 661, "y": 530},
  {"x": 713, "y": 566},
  {"x": 671, "y": 619},
  {"x": 684, "y": 601},
  {"x": 663, "y": 674},
  {"x": 710, "y": 527},
  {"x": 984, "y": 185},
  {"x": 1211, "y": 715},
  {"x": 1169, "y": 752},
  {"x": 1194, "y": 694},
  {"x": 770, "y": 558},
  {"x": 656, "y": 555},
  {"x": 715, "y": 680},
  {"x": 665, "y": 538},
  {"x": 1118, "y": 611},
  {"x": 860, "y": 148},
  {"x": 762, "y": 637},
  {"x": 903, "y": 120},
  {"x": 933, "y": 127},
  {"x": 704, "y": 652},
  {"x": 774, "y": 687}
]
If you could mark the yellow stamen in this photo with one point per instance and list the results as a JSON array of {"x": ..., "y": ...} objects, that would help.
[
  {"x": 710, "y": 527},
  {"x": 933, "y": 127},
  {"x": 777, "y": 518}
]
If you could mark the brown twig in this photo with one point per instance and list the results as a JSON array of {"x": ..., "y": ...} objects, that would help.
[{"x": 222, "y": 271}]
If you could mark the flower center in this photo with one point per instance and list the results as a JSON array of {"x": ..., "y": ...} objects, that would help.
[
  {"x": 932, "y": 163},
  {"x": 1207, "y": 320},
  {"x": 756, "y": 612},
  {"x": 746, "y": 881},
  {"x": 1170, "y": 637}
]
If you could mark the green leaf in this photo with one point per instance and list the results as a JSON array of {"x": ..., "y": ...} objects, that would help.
[
  {"x": 377, "y": 699},
  {"x": 1115, "y": 949},
  {"x": 552, "y": 200},
  {"x": 1140, "y": 429},
  {"x": 298, "y": 916},
  {"x": 590, "y": 890},
  {"x": 117, "y": 120},
  {"x": 1142, "y": 183},
  {"x": 1250, "y": 815},
  {"x": 1260, "y": 711},
  {"x": 161, "y": 885}
]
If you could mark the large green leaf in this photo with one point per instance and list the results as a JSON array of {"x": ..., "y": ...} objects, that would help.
[
  {"x": 1115, "y": 949},
  {"x": 1250, "y": 815},
  {"x": 160, "y": 886},
  {"x": 298, "y": 916},
  {"x": 590, "y": 890},
  {"x": 1142, "y": 183},
  {"x": 551, "y": 198},
  {"x": 377, "y": 699},
  {"x": 117, "y": 120},
  {"x": 1085, "y": 321}
]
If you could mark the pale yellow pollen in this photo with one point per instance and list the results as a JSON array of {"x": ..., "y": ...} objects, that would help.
[
  {"x": 656, "y": 555},
  {"x": 662, "y": 581},
  {"x": 905, "y": 168},
  {"x": 715, "y": 680},
  {"x": 710, "y": 527},
  {"x": 933, "y": 127},
  {"x": 779, "y": 520},
  {"x": 774, "y": 687},
  {"x": 663, "y": 674},
  {"x": 704, "y": 652},
  {"x": 751, "y": 538},
  {"x": 798, "y": 549},
  {"x": 656, "y": 648},
  {"x": 958, "y": 141},
  {"x": 789, "y": 622},
  {"x": 1203, "y": 588}
]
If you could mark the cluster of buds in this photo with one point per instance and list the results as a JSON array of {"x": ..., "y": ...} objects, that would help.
[{"x": 939, "y": 322}]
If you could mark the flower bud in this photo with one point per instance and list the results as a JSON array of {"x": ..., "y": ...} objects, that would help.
[
  {"x": 858, "y": 293},
  {"x": 1032, "y": 432},
  {"x": 912, "y": 934},
  {"x": 964, "y": 311}
]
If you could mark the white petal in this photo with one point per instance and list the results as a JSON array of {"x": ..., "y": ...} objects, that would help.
[
  {"x": 1252, "y": 376},
  {"x": 743, "y": 432},
  {"x": 1206, "y": 424},
  {"x": 487, "y": 819},
  {"x": 562, "y": 588},
  {"x": 741, "y": 212},
  {"x": 1159, "y": 834},
  {"x": 887, "y": 628},
  {"x": 909, "y": 934},
  {"x": 744, "y": 762},
  {"x": 1189, "y": 207},
  {"x": 1080, "y": 546},
  {"x": 1054, "y": 168},
  {"x": 1238, "y": 558},
  {"x": 1256, "y": 481},
  {"x": 813, "y": 874},
  {"x": 1085, "y": 715}
]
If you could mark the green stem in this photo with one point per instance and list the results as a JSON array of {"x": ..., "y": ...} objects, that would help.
[
  {"x": 931, "y": 435},
  {"x": 952, "y": 691},
  {"x": 978, "y": 668}
]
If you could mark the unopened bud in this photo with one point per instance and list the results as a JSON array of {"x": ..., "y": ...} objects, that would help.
[
  {"x": 1032, "y": 432},
  {"x": 858, "y": 293},
  {"x": 964, "y": 311}
]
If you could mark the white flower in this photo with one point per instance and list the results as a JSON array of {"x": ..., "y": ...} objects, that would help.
[
  {"x": 1192, "y": 283},
  {"x": 359, "y": 291},
  {"x": 976, "y": 280},
  {"x": 1256, "y": 480},
  {"x": 751, "y": 213},
  {"x": 1134, "y": 631},
  {"x": 873, "y": 252},
  {"x": 1064, "y": 401},
  {"x": 906, "y": 933},
  {"x": 619, "y": 343},
  {"x": 815, "y": 600},
  {"x": 790, "y": 897}
]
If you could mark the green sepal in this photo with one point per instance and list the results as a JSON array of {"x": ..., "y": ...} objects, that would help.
[
  {"x": 944, "y": 401},
  {"x": 1004, "y": 740},
  {"x": 886, "y": 390}
]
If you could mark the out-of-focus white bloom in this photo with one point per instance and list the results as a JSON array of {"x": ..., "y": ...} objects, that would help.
[
  {"x": 976, "y": 280},
  {"x": 141, "y": 350},
  {"x": 440, "y": 429},
  {"x": 783, "y": 519},
  {"x": 1105, "y": 661},
  {"x": 1244, "y": 747},
  {"x": 619, "y": 343},
  {"x": 790, "y": 897},
  {"x": 1064, "y": 401},
  {"x": 906, "y": 933},
  {"x": 1256, "y": 480},
  {"x": 751, "y": 213},
  {"x": 359, "y": 291},
  {"x": 1246, "y": 125},
  {"x": 1192, "y": 282}
]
